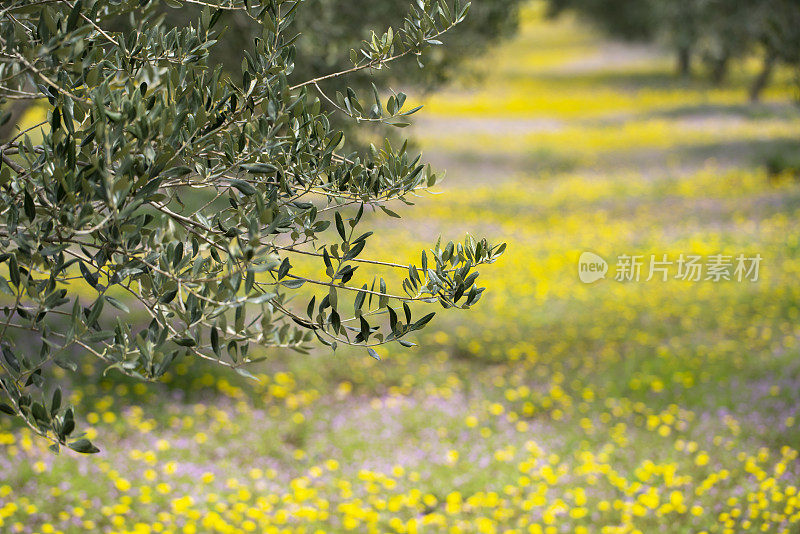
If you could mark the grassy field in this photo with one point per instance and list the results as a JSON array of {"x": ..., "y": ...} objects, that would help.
[{"x": 554, "y": 406}]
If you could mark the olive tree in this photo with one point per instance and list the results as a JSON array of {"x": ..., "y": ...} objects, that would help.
[
  {"x": 779, "y": 36},
  {"x": 330, "y": 26},
  {"x": 676, "y": 22},
  {"x": 161, "y": 185}
]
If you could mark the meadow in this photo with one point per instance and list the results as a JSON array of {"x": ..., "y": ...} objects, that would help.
[{"x": 554, "y": 405}]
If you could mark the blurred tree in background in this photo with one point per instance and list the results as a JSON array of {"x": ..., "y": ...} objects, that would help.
[
  {"x": 729, "y": 34},
  {"x": 625, "y": 19},
  {"x": 715, "y": 31},
  {"x": 164, "y": 185},
  {"x": 778, "y": 32}
]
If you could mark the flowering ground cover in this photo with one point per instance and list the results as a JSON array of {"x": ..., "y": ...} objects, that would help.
[{"x": 554, "y": 405}]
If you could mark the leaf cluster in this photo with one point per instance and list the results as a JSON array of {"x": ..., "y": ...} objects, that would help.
[{"x": 163, "y": 186}]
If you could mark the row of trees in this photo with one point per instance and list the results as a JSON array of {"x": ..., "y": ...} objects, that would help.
[{"x": 715, "y": 32}]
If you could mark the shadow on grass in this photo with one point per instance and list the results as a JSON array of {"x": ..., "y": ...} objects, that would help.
[
  {"x": 753, "y": 152},
  {"x": 744, "y": 110}
]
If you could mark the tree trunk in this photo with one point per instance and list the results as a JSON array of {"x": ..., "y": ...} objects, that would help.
[
  {"x": 719, "y": 69},
  {"x": 684, "y": 61},
  {"x": 17, "y": 109},
  {"x": 763, "y": 77}
]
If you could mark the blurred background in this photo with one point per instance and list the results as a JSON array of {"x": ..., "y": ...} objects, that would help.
[{"x": 616, "y": 127}]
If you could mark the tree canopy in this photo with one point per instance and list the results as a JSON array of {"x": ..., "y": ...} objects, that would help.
[{"x": 163, "y": 184}]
